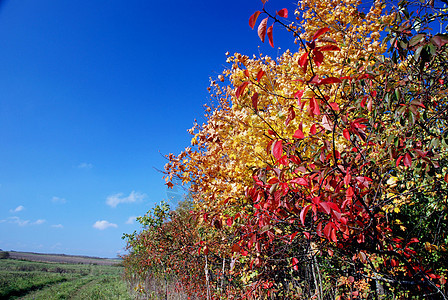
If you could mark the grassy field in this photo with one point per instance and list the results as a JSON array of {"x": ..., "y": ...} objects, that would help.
[{"x": 21, "y": 279}]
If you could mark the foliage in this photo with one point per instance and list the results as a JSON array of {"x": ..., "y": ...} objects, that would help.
[
  {"x": 322, "y": 173},
  {"x": 40, "y": 280}
]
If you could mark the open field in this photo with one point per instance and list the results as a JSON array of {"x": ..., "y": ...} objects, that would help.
[
  {"x": 62, "y": 258},
  {"x": 61, "y": 277}
]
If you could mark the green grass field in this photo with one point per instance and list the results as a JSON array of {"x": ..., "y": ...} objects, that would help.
[{"x": 43, "y": 280}]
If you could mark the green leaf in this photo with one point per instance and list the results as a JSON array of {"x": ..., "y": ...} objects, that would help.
[{"x": 416, "y": 39}]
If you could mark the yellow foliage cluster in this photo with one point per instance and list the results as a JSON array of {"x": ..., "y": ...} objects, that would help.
[{"x": 236, "y": 138}]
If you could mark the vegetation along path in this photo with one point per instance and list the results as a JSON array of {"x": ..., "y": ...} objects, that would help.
[{"x": 48, "y": 280}]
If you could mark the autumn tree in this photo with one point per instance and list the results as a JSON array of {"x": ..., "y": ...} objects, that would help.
[{"x": 323, "y": 173}]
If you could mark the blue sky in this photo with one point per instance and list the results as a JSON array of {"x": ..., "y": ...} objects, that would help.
[{"x": 92, "y": 94}]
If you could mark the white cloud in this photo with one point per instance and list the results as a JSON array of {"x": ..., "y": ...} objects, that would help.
[
  {"x": 17, "y": 209},
  {"x": 115, "y": 199},
  {"x": 101, "y": 225},
  {"x": 21, "y": 222},
  {"x": 39, "y": 222},
  {"x": 57, "y": 226},
  {"x": 58, "y": 200},
  {"x": 131, "y": 220},
  {"x": 18, "y": 221},
  {"x": 85, "y": 166}
]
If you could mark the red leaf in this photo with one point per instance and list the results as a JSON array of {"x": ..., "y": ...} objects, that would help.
[
  {"x": 314, "y": 80},
  {"x": 320, "y": 32},
  {"x": 330, "y": 80},
  {"x": 262, "y": 29},
  {"x": 346, "y": 134},
  {"x": 334, "y": 106},
  {"x": 299, "y": 181},
  {"x": 347, "y": 178},
  {"x": 303, "y": 213},
  {"x": 241, "y": 88},
  {"x": 327, "y": 230},
  {"x": 326, "y": 123},
  {"x": 319, "y": 229},
  {"x": 246, "y": 72},
  {"x": 349, "y": 193},
  {"x": 399, "y": 160},
  {"x": 277, "y": 149},
  {"x": 326, "y": 207},
  {"x": 314, "y": 106},
  {"x": 253, "y": 19},
  {"x": 283, "y": 13},
  {"x": 291, "y": 115},
  {"x": 303, "y": 61},
  {"x": 264, "y": 1},
  {"x": 270, "y": 36},
  {"x": 407, "y": 160},
  {"x": 295, "y": 262},
  {"x": 298, "y": 95},
  {"x": 417, "y": 103},
  {"x": 298, "y": 134},
  {"x": 229, "y": 221},
  {"x": 260, "y": 75},
  {"x": 313, "y": 129},
  {"x": 333, "y": 236},
  {"x": 318, "y": 57},
  {"x": 236, "y": 248},
  {"x": 329, "y": 48},
  {"x": 292, "y": 236},
  {"x": 446, "y": 178},
  {"x": 255, "y": 100}
]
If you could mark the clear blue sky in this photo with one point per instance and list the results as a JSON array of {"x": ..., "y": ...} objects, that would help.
[{"x": 92, "y": 94}]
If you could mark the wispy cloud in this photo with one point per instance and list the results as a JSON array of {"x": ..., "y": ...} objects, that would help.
[
  {"x": 101, "y": 225},
  {"x": 58, "y": 200},
  {"x": 115, "y": 199},
  {"x": 18, "y": 221},
  {"x": 21, "y": 222},
  {"x": 17, "y": 209},
  {"x": 85, "y": 166},
  {"x": 131, "y": 220},
  {"x": 57, "y": 226}
]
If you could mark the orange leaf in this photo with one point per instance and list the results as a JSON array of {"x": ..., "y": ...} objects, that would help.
[
  {"x": 241, "y": 88},
  {"x": 260, "y": 75},
  {"x": 446, "y": 178},
  {"x": 320, "y": 32},
  {"x": 262, "y": 29},
  {"x": 270, "y": 36},
  {"x": 253, "y": 19}
]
